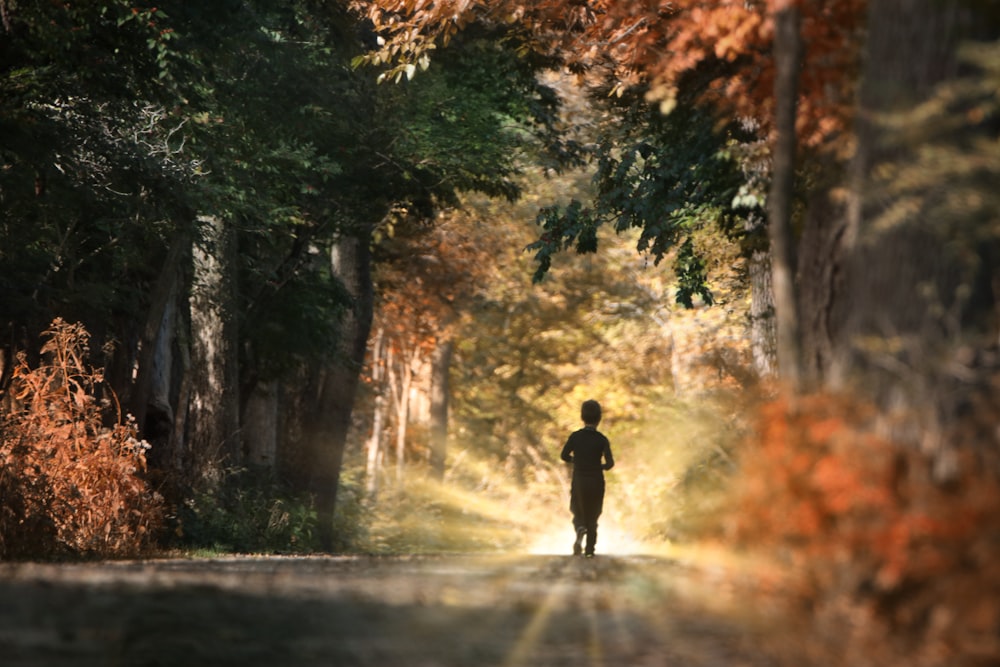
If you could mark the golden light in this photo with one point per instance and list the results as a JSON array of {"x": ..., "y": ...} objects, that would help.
[{"x": 612, "y": 540}]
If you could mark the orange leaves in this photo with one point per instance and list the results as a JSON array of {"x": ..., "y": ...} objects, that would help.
[
  {"x": 70, "y": 484},
  {"x": 870, "y": 533},
  {"x": 658, "y": 43},
  {"x": 819, "y": 484}
]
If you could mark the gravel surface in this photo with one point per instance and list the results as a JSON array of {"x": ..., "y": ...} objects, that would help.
[{"x": 342, "y": 611}]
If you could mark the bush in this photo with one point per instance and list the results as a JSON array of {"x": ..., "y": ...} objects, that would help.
[
  {"x": 251, "y": 511},
  {"x": 68, "y": 484},
  {"x": 890, "y": 566}
]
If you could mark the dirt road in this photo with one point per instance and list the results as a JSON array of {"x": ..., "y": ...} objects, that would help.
[{"x": 343, "y": 611}]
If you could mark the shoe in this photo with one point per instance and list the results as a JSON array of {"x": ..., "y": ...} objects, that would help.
[
  {"x": 578, "y": 545},
  {"x": 589, "y": 554}
]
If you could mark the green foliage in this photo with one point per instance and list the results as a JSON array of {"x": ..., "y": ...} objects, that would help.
[
  {"x": 666, "y": 176},
  {"x": 121, "y": 123},
  {"x": 255, "y": 511},
  {"x": 90, "y": 162},
  {"x": 469, "y": 122},
  {"x": 692, "y": 278},
  {"x": 251, "y": 511}
]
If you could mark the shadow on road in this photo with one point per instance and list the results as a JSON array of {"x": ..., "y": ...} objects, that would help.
[{"x": 416, "y": 611}]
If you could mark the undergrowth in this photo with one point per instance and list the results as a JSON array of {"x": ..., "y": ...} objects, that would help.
[
  {"x": 253, "y": 511},
  {"x": 888, "y": 565},
  {"x": 69, "y": 485},
  {"x": 249, "y": 512}
]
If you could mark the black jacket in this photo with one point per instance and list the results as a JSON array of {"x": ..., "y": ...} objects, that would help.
[{"x": 585, "y": 449}]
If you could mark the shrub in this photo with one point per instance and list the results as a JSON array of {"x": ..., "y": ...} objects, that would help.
[
  {"x": 68, "y": 484},
  {"x": 890, "y": 566},
  {"x": 251, "y": 511}
]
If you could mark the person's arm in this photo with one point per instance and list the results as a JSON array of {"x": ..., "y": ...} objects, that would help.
[
  {"x": 609, "y": 460},
  {"x": 567, "y": 451}
]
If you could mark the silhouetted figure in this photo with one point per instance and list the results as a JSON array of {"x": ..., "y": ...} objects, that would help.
[{"x": 585, "y": 449}]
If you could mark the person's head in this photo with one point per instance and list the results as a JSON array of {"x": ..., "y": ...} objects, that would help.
[{"x": 590, "y": 413}]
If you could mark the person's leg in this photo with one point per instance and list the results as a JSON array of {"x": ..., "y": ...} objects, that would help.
[
  {"x": 576, "y": 506},
  {"x": 595, "y": 505},
  {"x": 591, "y": 539}
]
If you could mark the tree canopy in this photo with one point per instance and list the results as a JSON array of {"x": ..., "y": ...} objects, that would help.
[{"x": 655, "y": 45}]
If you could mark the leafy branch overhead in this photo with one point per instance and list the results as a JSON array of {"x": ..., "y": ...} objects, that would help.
[
  {"x": 665, "y": 176},
  {"x": 649, "y": 44}
]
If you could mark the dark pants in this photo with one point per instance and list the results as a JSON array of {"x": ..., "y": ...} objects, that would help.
[{"x": 586, "y": 502}]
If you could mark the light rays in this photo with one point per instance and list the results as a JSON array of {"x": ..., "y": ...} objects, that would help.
[{"x": 526, "y": 645}]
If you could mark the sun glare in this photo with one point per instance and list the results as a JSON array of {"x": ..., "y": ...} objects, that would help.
[{"x": 611, "y": 541}]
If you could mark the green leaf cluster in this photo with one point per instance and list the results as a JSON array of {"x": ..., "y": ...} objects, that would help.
[{"x": 666, "y": 176}]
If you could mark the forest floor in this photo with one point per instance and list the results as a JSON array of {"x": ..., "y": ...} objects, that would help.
[{"x": 416, "y": 611}]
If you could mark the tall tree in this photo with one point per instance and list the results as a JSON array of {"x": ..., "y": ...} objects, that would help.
[
  {"x": 787, "y": 55},
  {"x": 909, "y": 283},
  {"x": 440, "y": 401},
  {"x": 214, "y": 416}
]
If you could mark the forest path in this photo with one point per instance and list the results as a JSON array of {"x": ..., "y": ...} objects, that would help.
[{"x": 417, "y": 611}]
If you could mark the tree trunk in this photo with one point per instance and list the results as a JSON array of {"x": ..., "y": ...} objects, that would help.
[
  {"x": 159, "y": 419},
  {"x": 440, "y": 392},
  {"x": 213, "y": 420},
  {"x": 351, "y": 262},
  {"x": 820, "y": 274},
  {"x": 787, "y": 52},
  {"x": 762, "y": 334},
  {"x": 373, "y": 447},
  {"x": 893, "y": 284},
  {"x": 179, "y": 450},
  {"x": 400, "y": 369},
  {"x": 260, "y": 425},
  {"x": 910, "y": 49},
  {"x": 156, "y": 329}
]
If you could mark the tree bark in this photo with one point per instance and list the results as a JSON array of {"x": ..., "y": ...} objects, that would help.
[
  {"x": 213, "y": 420},
  {"x": 440, "y": 394},
  {"x": 400, "y": 369},
  {"x": 892, "y": 285},
  {"x": 350, "y": 260},
  {"x": 158, "y": 325},
  {"x": 787, "y": 52},
  {"x": 821, "y": 273},
  {"x": 910, "y": 49},
  {"x": 762, "y": 330},
  {"x": 373, "y": 447},
  {"x": 260, "y": 425}
]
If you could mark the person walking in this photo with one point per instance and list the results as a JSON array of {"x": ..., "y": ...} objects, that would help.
[{"x": 590, "y": 453}]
